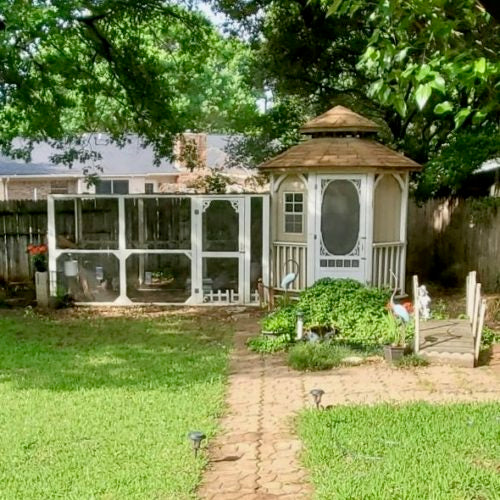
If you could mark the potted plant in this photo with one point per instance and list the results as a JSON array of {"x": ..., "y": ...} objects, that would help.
[
  {"x": 38, "y": 254},
  {"x": 397, "y": 332}
]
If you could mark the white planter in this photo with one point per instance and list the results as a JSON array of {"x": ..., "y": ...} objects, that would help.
[{"x": 42, "y": 288}]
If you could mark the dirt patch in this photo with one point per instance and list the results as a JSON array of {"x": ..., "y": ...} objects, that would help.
[{"x": 222, "y": 313}]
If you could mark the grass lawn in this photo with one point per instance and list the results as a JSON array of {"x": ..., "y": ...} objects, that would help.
[
  {"x": 98, "y": 407},
  {"x": 415, "y": 451}
]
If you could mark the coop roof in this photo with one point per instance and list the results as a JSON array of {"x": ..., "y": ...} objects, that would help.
[
  {"x": 339, "y": 153},
  {"x": 339, "y": 119}
]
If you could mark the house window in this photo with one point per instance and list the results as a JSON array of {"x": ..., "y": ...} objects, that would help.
[
  {"x": 111, "y": 187},
  {"x": 149, "y": 188},
  {"x": 120, "y": 187},
  {"x": 294, "y": 212}
]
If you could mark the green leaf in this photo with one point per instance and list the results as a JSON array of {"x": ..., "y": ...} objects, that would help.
[
  {"x": 480, "y": 66},
  {"x": 401, "y": 55},
  {"x": 334, "y": 7},
  {"x": 400, "y": 105},
  {"x": 439, "y": 84},
  {"x": 443, "y": 107},
  {"x": 408, "y": 71},
  {"x": 424, "y": 70},
  {"x": 461, "y": 116},
  {"x": 422, "y": 95}
]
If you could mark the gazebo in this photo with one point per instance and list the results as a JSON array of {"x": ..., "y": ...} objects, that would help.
[{"x": 339, "y": 204}]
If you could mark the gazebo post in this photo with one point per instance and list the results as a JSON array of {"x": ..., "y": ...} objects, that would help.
[
  {"x": 312, "y": 192},
  {"x": 403, "y": 232}
]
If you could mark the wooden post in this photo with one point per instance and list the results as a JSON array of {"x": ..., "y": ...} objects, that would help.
[
  {"x": 470, "y": 291},
  {"x": 416, "y": 310},
  {"x": 475, "y": 313},
  {"x": 479, "y": 333}
]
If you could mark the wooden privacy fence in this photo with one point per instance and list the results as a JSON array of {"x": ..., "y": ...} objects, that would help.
[
  {"x": 447, "y": 238},
  {"x": 21, "y": 223}
]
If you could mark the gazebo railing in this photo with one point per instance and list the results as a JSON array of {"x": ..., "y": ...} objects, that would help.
[
  {"x": 387, "y": 257},
  {"x": 284, "y": 253}
]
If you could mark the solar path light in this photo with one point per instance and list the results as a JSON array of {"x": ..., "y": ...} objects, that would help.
[
  {"x": 317, "y": 394},
  {"x": 196, "y": 437},
  {"x": 300, "y": 325}
]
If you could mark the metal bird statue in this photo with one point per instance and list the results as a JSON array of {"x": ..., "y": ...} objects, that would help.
[
  {"x": 398, "y": 310},
  {"x": 290, "y": 277}
]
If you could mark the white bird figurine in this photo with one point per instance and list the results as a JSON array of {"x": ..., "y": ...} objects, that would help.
[
  {"x": 398, "y": 310},
  {"x": 290, "y": 277}
]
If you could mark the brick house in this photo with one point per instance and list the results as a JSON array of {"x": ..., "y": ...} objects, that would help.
[{"x": 124, "y": 170}]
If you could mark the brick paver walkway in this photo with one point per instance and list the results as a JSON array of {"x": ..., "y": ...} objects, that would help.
[{"x": 256, "y": 455}]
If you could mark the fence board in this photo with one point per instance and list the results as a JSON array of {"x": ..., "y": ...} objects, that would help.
[
  {"x": 446, "y": 241},
  {"x": 21, "y": 223}
]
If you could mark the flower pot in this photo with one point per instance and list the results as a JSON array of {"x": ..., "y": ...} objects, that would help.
[
  {"x": 42, "y": 288},
  {"x": 393, "y": 353}
]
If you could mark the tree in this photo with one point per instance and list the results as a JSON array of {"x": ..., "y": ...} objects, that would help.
[
  {"x": 143, "y": 67},
  {"x": 427, "y": 71}
]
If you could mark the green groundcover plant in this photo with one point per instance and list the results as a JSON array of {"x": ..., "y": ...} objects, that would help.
[
  {"x": 413, "y": 451},
  {"x": 354, "y": 312}
]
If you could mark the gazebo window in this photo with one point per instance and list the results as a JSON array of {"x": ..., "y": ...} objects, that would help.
[{"x": 294, "y": 212}]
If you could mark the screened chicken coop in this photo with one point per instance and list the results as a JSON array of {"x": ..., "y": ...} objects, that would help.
[{"x": 163, "y": 249}]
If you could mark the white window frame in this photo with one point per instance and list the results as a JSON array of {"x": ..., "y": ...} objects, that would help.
[
  {"x": 112, "y": 183},
  {"x": 285, "y": 213}
]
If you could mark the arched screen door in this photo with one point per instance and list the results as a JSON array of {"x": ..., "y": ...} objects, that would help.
[{"x": 341, "y": 227}]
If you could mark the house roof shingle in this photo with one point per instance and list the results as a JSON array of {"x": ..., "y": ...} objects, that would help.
[
  {"x": 131, "y": 159},
  {"x": 339, "y": 153}
]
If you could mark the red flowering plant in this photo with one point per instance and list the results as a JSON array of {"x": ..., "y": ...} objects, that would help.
[{"x": 38, "y": 254}]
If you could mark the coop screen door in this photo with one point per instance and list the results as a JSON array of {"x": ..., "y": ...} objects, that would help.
[{"x": 222, "y": 264}]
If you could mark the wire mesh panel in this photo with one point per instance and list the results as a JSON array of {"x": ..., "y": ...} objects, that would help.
[
  {"x": 158, "y": 223},
  {"x": 220, "y": 279},
  {"x": 256, "y": 240},
  {"x": 220, "y": 226},
  {"x": 158, "y": 277},
  {"x": 86, "y": 223},
  {"x": 89, "y": 277}
]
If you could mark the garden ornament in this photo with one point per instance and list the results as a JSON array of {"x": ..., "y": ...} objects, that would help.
[
  {"x": 398, "y": 310},
  {"x": 424, "y": 302},
  {"x": 290, "y": 277}
]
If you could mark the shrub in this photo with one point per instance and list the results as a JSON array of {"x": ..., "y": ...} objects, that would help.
[
  {"x": 318, "y": 356},
  {"x": 267, "y": 344},
  {"x": 489, "y": 337},
  {"x": 355, "y": 312},
  {"x": 281, "y": 321}
]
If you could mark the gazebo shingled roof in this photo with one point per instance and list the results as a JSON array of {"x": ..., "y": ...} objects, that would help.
[
  {"x": 339, "y": 152},
  {"x": 339, "y": 119}
]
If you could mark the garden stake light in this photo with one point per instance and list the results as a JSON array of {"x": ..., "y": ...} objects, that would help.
[
  {"x": 300, "y": 325},
  {"x": 317, "y": 394},
  {"x": 196, "y": 437}
]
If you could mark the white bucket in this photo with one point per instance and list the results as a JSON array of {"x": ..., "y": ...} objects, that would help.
[{"x": 71, "y": 268}]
